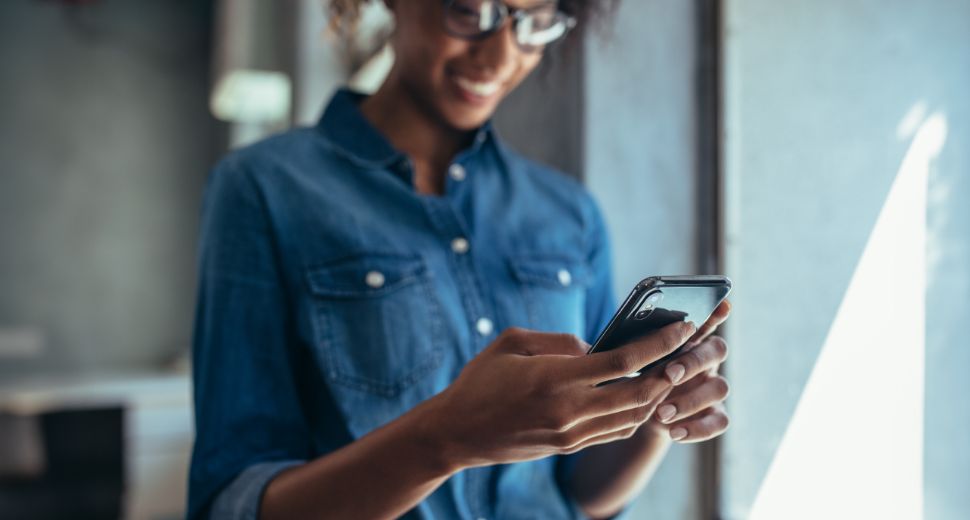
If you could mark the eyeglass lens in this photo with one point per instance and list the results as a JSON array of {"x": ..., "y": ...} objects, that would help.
[{"x": 534, "y": 26}]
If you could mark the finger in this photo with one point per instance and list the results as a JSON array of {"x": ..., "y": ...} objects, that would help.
[
  {"x": 612, "y": 364},
  {"x": 532, "y": 343},
  {"x": 606, "y": 438},
  {"x": 646, "y": 390},
  {"x": 719, "y": 316},
  {"x": 705, "y": 356},
  {"x": 542, "y": 343},
  {"x": 712, "y": 391},
  {"x": 603, "y": 425},
  {"x": 703, "y": 426},
  {"x": 688, "y": 385}
]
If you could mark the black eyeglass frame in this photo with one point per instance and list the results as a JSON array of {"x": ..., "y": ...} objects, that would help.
[{"x": 505, "y": 12}]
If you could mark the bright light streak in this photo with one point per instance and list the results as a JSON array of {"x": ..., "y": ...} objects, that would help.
[{"x": 854, "y": 446}]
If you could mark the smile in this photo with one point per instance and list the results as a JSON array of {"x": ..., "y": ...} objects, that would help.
[{"x": 478, "y": 88}]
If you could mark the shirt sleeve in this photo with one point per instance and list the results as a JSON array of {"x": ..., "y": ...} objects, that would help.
[
  {"x": 601, "y": 303},
  {"x": 249, "y": 425}
]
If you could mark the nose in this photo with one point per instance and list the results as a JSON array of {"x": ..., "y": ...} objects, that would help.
[{"x": 499, "y": 51}]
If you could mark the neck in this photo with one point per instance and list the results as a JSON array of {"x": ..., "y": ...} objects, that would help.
[{"x": 411, "y": 128}]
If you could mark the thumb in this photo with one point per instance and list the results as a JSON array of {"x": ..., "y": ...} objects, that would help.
[{"x": 541, "y": 343}]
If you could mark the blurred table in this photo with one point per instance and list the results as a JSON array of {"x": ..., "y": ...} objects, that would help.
[{"x": 156, "y": 431}]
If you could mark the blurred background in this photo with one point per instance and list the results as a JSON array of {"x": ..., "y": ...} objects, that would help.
[{"x": 816, "y": 151}]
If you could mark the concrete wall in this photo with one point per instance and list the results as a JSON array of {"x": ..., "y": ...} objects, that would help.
[
  {"x": 543, "y": 117},
  {"x": 822, "y": 99},
  {"x": 104, "y": 145},
  {"x": 639, "y": 162}
]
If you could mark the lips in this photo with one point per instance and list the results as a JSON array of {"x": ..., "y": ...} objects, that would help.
[{"x": 478, "y": 88}]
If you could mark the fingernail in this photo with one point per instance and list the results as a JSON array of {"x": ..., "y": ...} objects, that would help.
[
  {"x": 678, "y": 434},
  {"x": 666, "y": 412},
  {"x": 675, "y": 372},
  {"x": 691, "y": 328}
]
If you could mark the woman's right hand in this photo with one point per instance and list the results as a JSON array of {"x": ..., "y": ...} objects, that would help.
[{"x": 529, "y": 395}]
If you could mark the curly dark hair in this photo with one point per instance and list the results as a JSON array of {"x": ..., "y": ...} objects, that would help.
[{"x": 344, "y": 14}]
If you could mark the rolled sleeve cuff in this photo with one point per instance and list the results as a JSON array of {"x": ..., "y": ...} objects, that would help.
[{"x": 241, "y": 498}]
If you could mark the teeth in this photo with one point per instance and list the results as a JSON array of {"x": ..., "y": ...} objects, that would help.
[{"x": 479, "y": 89}]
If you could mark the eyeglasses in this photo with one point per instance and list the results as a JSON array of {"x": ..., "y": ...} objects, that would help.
[{"x": 534, "y": 27}]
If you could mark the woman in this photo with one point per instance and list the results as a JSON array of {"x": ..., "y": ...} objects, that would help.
[{"x": 371, "y": 298}]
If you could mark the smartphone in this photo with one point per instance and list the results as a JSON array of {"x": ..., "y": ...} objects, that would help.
[{"x": 658, "y": 301}]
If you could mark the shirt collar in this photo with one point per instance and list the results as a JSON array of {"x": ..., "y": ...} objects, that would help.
[{"x": 352, "y": 135}]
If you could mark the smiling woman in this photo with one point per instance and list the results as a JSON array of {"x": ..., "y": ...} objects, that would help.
[
  {"x": 394, "y": 306},
  {"x": 344, "y": 14}
]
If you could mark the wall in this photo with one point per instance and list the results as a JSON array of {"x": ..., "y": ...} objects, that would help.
[
  {"x": 104, "y": 146},
  {"x": 828, "y": 104},
  {"x": 639, "y": 149},
  {"x": 543, "y": 117}
]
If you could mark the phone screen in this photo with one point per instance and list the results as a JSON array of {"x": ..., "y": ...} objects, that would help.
[{"x": 659, "y": 301}]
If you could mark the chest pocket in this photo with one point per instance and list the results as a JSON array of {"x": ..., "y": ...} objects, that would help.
[
  {"x": 553, "y": 291},
  {"x": 376, "y": 321}
]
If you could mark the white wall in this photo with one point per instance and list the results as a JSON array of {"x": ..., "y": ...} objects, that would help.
[{"x": 824, "y": 101}]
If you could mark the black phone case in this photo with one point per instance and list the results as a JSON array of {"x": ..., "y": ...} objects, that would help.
[{"x": 685, "y": 298}]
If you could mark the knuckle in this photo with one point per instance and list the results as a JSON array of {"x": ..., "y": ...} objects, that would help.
[
  {"x": 513, "y": 335},
  {"x": 558, "y": 419},
  {"x": 640, "y": 415},
  {"x": 512, "y": 332},
  {"x": 642, "y": 395},
  {"x": 574, "y": 342},
  {"x": 627, "y": 433},
  {"x": 571, "y": 449},
  {"x": 622, "y": 360},
  {"x": 558, "y": 441},
  {"x": 721, "y": 387},
  {"x": 577, "y": 342},
  {"x": 693, "y": 359},
  {"x": 567, "y": 440},
  {"x": 688, "y": 403},
  {"x": 672, "y": 339},
  {"x": 720, "y": 347}
]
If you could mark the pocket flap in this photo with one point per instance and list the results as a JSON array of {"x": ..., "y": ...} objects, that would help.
[
  {"x": 365, "y": 275},
  {"x": 550, "y": 271}
]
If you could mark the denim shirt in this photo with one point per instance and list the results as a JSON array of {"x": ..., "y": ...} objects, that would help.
[{"x": 333, "y": 298}]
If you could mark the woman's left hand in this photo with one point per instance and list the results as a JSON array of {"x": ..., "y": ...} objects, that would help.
[{"x": 694, "y": 410}]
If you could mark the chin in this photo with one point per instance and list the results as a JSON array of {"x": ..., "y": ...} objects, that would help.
[
  {"x": 462, "y": 117},
  {"x": 466, "y": 123}
]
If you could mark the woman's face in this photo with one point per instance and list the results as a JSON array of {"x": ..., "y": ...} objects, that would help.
[{"x": 457, "y": 81}]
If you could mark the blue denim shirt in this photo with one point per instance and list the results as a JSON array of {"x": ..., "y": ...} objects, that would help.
[{"x": 333, "y": 298}]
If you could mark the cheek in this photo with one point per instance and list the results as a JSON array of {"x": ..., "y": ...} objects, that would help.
[
  {"x": 420, "y": 44},
  {"x": 528, "y": 63},
  {"x": 422, "y": 56}
]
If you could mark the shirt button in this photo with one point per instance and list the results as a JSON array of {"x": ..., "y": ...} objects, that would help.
[
  {"x": 459, "y": 245},
  {"x": 375, "y": 279},
  {"x": 457, "y": 172},
  {"x": 484, "y": 326},
  {"x": 565, "y": 278}
]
